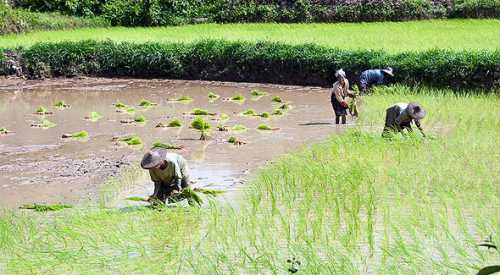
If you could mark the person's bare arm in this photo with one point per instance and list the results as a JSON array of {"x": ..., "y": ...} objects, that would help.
[{"x": 419, "y": 126}]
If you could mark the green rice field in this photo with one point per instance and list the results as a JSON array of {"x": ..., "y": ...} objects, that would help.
[
  {"x": 353, "y": 204},
  {"x": 389, "y": 36}
]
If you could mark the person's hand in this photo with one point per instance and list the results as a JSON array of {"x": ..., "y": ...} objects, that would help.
[{"x": 344, "y": 104}]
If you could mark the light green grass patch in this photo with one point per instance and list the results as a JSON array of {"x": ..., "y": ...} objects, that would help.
[
  {"x": 45, "y": 207},
  {"x": 455, "y": 34},
  {"x": 355, "y": 203}
]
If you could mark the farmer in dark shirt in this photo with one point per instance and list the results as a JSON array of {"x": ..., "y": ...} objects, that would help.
[
  {"x": 400, "y": 116},
  {"x": 369, "y": 78}
]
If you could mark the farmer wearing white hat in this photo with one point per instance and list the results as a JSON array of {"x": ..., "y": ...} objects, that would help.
[
  {"x": 168, "y": 171},
  {"x": 400, "y": 116},
  {"x": 338, "y": 98},
  {"x": 369, "y": 78}
]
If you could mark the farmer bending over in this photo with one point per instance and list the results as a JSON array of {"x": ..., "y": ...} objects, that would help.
[
  {"x": 340, "y": 91},
  {"x": 399, "y": 117},
  {"x": 168, "y": 171},
  {"x": 369, "y": 78}
]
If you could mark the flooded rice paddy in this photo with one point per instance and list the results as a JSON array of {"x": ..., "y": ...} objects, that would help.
[{"x": 38, "y": 165}]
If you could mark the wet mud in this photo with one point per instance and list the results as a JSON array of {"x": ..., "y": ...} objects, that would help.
[{"x": 38, "y": 165}]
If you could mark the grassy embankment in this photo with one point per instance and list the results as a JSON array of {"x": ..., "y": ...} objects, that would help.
[
  {"x": 389, "y": 36},
  {"x": 354, "y": 203}
]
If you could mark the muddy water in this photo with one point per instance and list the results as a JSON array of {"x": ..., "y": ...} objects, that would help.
[{"x": 37, "y": 165}]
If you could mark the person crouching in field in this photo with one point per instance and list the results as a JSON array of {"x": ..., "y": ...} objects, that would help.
[
  {"x": 168, "y": 171},
  {"x": 340, "y": 92},
  {"x": 373, "y": 77},
  {"x": 400, "y": 116}
]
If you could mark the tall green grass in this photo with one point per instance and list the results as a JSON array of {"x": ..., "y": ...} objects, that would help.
[
  {"x": 389, "y": 36},
  {"x": 353, "y": 204}
]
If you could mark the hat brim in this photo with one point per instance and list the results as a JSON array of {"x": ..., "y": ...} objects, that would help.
[
  {"x": 388, "y": 72},
  {"x": 151, "y": 164}
]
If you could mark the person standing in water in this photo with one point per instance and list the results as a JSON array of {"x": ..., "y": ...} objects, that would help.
[{"x": 340, "y": 92}]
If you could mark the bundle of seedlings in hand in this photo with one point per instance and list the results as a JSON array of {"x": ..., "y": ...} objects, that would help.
[
  {"x": 45, "y": 207},
  {"x": 61, "y": 105},
  {"x": 201, "y": 125},
  {"x": 249, "y": 112},
  {"x": 258, "y": 93},
  {"x": 42, "y": 111},
  {"x": 265, "y": 127},
  {"x": 81, "y": 134},
  {"x": 146, "y": 103},
  {"x": 235, "y": 141},
  {"x": 201, "y": 112},
  {"x": 353, "y": 106},
  {"x": 44, "y": 123},
  {"x": 167, "y": 146},
  {"x": 94, "y": 116},
  {"x": 277, "y": 99},
  {"x": 188, "y": 194},
  {"x": 213, "y": 96}
]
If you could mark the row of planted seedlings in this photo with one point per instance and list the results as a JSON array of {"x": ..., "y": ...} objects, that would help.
[{"x": 198, "y": 123}]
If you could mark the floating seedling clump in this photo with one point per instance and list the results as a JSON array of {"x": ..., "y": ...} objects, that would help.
[
  {"x": 42, "y": 111},
  {"x": 44, "y": 124},
  {"x": 94, "y": 116},
  {"x": 61, "y": 105},
  {"x": 264, "y": 115},
  {"x": 238, "y": 98},
  {"x": 265, "y": 127},
  {"x": 258, "y": 93},
  {"x": 201, "y": 125},
  {"x": 239, "y": 128},
  {"x": 176, "y": 123},
  {"x": 213, "y": 96},
  {"x": 46, "y": 207},
  {"x": 120, "y": 105},
  {"x": 249, "y": 112},
  {"x": 183, "y": 99},
  {"x": 4, "y": 131},
  {"x": 131, "y": 140},
  {"x": 81, "y": 134},
  {"x": 201, "y": 112},
  {"x": 167, "y": 146},
  {"x": 146, "y": 103},
  {"x": 277, "y": 99},
  {"x": 140, "y": 119}
]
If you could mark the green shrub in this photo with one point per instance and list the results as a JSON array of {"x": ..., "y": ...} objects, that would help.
[
  {"x": 265, "y": 62},
  {"x": 20, "y": 20}
]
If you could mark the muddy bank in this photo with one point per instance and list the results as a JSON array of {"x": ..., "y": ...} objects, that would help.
[{"x": 37, "y": 165}]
